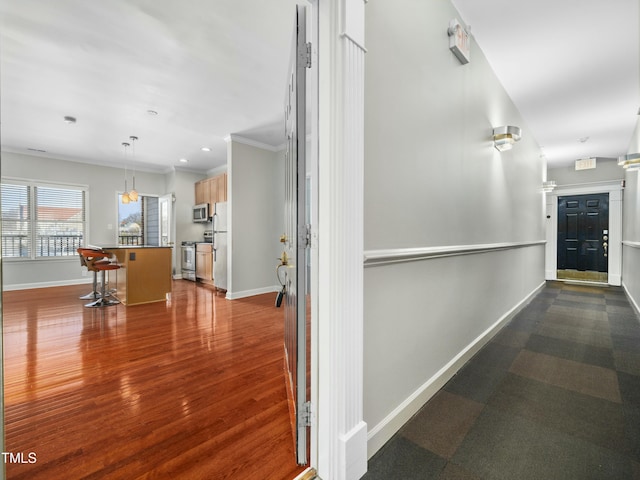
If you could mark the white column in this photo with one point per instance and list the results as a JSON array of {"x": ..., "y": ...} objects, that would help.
[{"x": 342, "y": 433}]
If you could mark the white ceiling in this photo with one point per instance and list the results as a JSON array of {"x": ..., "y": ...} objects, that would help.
[
  {"x": 572, "y": 67},
  {"x": 211, "y": 68}
]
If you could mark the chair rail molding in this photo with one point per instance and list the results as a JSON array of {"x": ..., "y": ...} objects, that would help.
[{"x": 374, "y": 258}]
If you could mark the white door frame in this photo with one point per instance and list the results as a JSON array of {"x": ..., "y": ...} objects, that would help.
[
  {"x": 614, "y": 189},
  {"x": 341, "y": 431}
]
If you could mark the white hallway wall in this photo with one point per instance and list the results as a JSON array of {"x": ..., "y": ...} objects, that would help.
[
  {"x": 631, "y": 228},
  {"x": 256, "y": 217},
  {"x": 605, "y": 171},
  {"x": 434, "y": 182}
]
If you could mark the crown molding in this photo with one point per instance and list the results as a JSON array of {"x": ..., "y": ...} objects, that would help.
[{"x": 252, "y": 143}]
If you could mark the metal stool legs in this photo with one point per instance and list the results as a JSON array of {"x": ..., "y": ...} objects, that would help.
[
  {"x": 104, "y": 301},
  {"x": 95, "y": 294}
]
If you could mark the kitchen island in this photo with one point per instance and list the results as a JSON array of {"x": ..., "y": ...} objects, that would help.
[{"x": 144, "y": 275}]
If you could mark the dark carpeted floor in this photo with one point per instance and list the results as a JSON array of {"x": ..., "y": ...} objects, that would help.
[{"x": 554, "y": 396}]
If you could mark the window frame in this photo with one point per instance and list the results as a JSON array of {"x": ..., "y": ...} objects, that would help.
[{"x": 33, "y": 185}]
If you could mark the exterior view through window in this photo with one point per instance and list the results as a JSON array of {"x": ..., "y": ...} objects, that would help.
[
  {"x": 139, "y": 222},
  {"x": 130, "y": 222},
  {"x": 40, "y": 220}
]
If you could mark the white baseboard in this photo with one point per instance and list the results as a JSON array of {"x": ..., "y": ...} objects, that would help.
[
  {"x": 62, "y": 283},
  {"x": 383, "y": 431},
  {"x": 615, "y": 280},
  {"x": 633, "y": 301},
  {"x": 353, "y": 451},
  {"x": 251, "y": 293}
]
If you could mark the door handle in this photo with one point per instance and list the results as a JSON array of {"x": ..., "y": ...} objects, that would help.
[{"x": 605, "y": 245}]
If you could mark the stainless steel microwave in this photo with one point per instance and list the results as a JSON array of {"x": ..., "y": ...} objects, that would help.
[{"x": 201, "y": 213}]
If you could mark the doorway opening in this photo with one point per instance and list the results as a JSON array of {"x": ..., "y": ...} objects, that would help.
[{"x": 583, "y": 238}]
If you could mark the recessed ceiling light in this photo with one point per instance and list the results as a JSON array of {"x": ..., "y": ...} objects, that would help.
[
  {"x": 152, "y": 112},
  {"x": 69, "y": 119},
  {"x": 183, "y": 160},
  {"x": 206, "y": 149}
]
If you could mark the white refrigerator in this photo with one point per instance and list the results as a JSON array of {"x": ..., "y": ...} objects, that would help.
[{"x": 220, "y": 245}]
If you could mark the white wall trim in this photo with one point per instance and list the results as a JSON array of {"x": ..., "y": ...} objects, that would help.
[
  {"x": 62, "y": 283},
  {"x": 383, "y": 431},
  {"x": 586, "y": 188},
  {"x": 342, "y": 445},
  {"x": 251, "y": 293},
  {"x": 634, "y": 304},
  {"x": 353, "y": 447},
  {"x": 374, "y": 258},
  {"x": 252, "y": 143},
  {"x": 355, "y": 42}
]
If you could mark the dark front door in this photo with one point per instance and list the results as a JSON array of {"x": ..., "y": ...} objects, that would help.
[{"x": 583, "y": 232}]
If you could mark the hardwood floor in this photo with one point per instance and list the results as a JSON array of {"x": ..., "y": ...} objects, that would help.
[{"x": 192, "y": 388}]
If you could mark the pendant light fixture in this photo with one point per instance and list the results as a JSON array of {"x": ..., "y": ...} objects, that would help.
[
  {"x": 130, "y": 195},
  {"x": 125, "y": 195},
  {"x": 133, "y": 194}
]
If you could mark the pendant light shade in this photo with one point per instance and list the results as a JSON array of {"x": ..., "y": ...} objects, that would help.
[
  {"x": 133, "y": 194},
  {"x": 129, "y": 195},
  {"x": 125, "y": 195}
]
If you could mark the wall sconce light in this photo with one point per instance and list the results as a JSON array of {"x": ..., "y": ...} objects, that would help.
[
  {"x": 548, "y": 186},
  {"x": 630, "y": 162},
  {"x": 505, "y": 137}
]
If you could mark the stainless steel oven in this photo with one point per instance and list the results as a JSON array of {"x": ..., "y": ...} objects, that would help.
[{"x": 188, "y": 264}]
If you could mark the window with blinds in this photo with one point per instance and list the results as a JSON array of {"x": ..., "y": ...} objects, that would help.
[
  {"x": 42, "y": 220},
  {"x": 16, "y": 220}
]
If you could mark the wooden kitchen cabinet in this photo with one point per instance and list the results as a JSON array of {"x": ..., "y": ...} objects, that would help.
[
  {"x": 204, "y": 262},
  {"x": 221, "y": 188},
  {"x": 203, "y": 191},
  {"x": 211, "y": 190}
]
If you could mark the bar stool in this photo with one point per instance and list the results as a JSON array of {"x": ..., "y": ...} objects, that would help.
[
  {"x": 95, "y": 260},
  {"x": 85, "y": 253},
  {"x": 103, "y": 301}
]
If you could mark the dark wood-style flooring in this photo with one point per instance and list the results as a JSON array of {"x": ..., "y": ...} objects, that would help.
[{"x": 188, "y": 389}]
